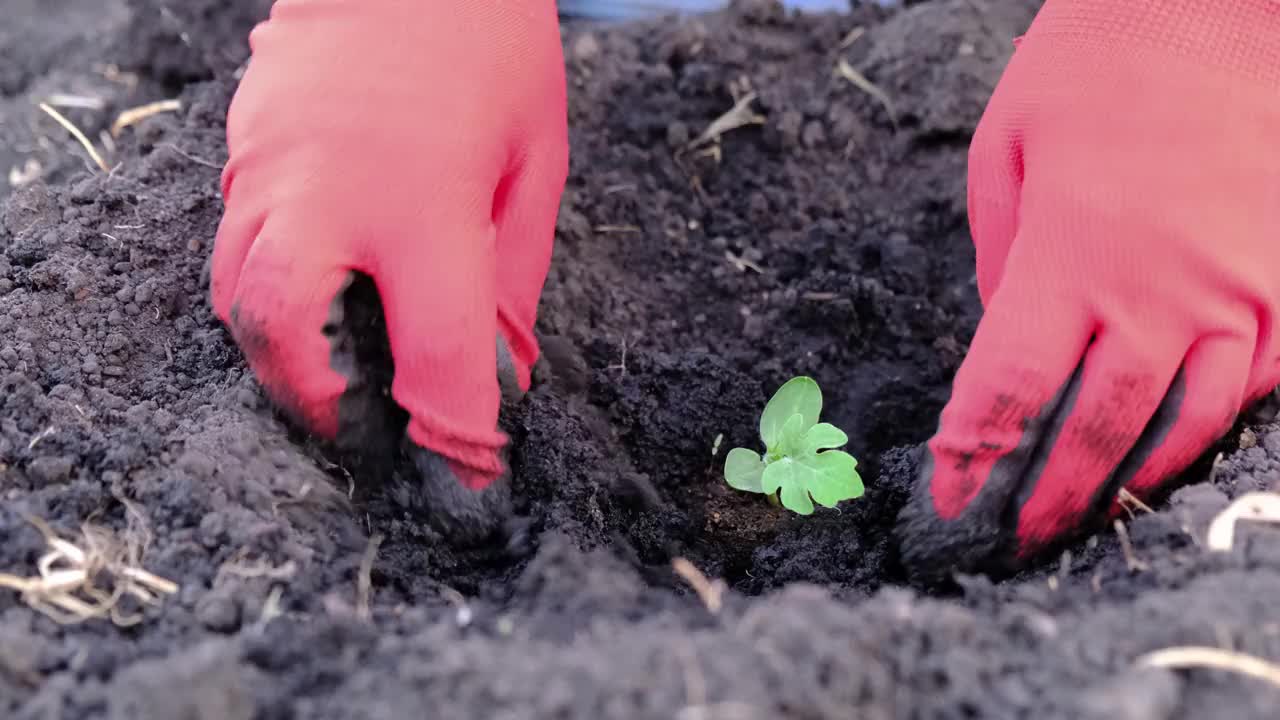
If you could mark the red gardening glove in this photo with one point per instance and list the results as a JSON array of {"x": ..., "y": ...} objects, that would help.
[
  {"x": 1124, "y": 199},
  {"x": 423, "y": 144}
]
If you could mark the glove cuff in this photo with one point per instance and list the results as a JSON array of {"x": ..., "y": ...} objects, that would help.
[{"x": 1241, "y": 37}]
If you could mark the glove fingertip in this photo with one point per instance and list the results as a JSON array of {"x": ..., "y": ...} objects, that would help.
[
  {"x": 932, "y": 548},
  {"x": 278, "y": 316},
  {"x": 235, "y": 236}
]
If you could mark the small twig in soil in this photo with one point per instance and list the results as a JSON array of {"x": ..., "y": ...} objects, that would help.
[
  {"x": 35, "y": 440},
  {"x": 139, "y": 528},
  {"x": 711, "y": 592},
  {"x": 271, "y": 606},
  {"x": 1064, "y": 566},
  {"x": 1188, "y": 657},
  {"x": 1255, "y": 507},
  {"x": 1217, "y": 466},
  {"x": 1130, "y": 558},
  {"x": 738, "y": 116},
  {"x": 860, "y": 81},
  {"x": 79, "y": 136},
  {"x": 857, "y": 32},
  {"x": 82, "y": 102},
  {"x": 351, "y": 481},
  {"x": 622, "y": 363},
  {"x": 741, "y": 263},
  {"x": 618, "y": 230},
  {"x": 1132, "y": 504},
  {"x": 65, "y": 588},
  {"x": 714, "y": 152},
  {"x": 364, "y": 582},
  {"x": 1064, "y": 571},
  {"x": 259, "y": 569},
  {"x": 300, "y": 499},
  {"x": 715, "y": 450},
  {"x": 133, "y": 116},
  {"x": 695, "y": 182},
  {"x": 188, "y": 156}
]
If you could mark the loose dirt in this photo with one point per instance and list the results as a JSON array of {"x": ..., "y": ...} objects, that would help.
[{"x": 688, "y": 282}]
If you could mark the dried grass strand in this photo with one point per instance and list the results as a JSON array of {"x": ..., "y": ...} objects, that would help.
[{"x": 77, "y": 134}]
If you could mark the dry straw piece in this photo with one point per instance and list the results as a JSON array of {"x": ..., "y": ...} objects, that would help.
[
  {"x": 860, "y": 81},
  {"x": 711, "y": 592},
  {"x": 77, "y": 134},
  {"x": 133, "y": 116},
  {"x": 70, "y": 580},
  {"x": 1189, "y": 657},
  {"x": 1254, "y": 507},
  {"x": 739, "y": 116}
]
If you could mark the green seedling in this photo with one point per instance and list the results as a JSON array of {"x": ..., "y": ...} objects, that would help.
[{"x": 800, "y": 466}]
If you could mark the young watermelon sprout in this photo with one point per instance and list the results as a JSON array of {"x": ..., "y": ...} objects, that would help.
[{"x": 800, "y": 466}]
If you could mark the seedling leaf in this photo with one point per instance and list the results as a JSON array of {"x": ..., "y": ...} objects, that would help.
[
  {"x": 835, "y": 478},
  {"x": 784, "y": 477},
  {"x": 800, "y": 466},
  {"x": 823, "y": 436},
  {"x": 798, "y": 396},
  {"x": 775, "y": 473},
  {"x": 790, "y": 438},
  {"x": 744, "y": 470},
  {"x": 794, "y": 495}
]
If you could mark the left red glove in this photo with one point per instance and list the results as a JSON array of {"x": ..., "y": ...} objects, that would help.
[{"x": 423, "y": 144}]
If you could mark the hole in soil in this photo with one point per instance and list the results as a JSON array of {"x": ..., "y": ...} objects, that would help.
[{"x": 619, "y": 455}]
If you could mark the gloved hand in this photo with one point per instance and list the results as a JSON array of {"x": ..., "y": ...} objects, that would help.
[
  {"x": 423, "y": 145},
  {"x": 1124, "y": 199}
]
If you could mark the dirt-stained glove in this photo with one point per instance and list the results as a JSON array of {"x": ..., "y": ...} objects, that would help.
[
  {"x": 1124, "y": 198},
  {"x": 423, "y": 145}
]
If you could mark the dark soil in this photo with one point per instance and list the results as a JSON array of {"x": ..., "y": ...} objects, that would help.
[{"x": 829, "y": 241}]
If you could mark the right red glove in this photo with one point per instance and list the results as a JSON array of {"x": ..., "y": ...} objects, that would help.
[
  {"x": 1124, "y": 197},
  {"x": 423, "y": 144}
]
